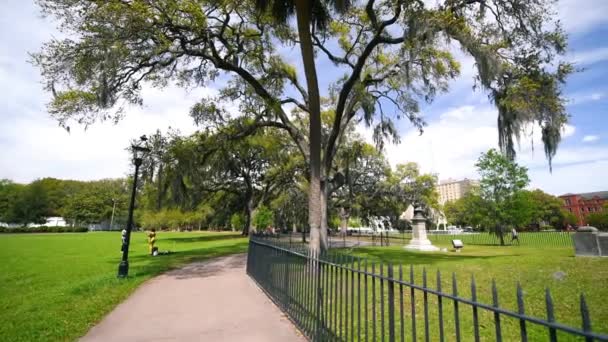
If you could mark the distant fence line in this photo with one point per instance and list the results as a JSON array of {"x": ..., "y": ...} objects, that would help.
[
  {"x": 333, "y": 297},
  {"x": 531, "y": 239},
  {"x": 549, "y": 239},
  {"x": 545, "y": 239}
]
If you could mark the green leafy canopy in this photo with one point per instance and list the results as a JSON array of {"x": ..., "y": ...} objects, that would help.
[{"x": 391, "y": 55}]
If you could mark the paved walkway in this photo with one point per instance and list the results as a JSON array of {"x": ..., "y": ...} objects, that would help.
[{"x": 207, "y": 301}]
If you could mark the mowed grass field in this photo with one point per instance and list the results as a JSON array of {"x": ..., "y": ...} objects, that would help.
[
  {"x": 54, "y": 287},
  {"x": 535, "y": 268}
]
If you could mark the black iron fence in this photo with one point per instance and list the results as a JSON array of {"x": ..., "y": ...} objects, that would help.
[{"x": 333, "y": 297}]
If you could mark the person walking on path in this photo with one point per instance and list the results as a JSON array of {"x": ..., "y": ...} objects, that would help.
[{"x": 514, "y": 236}]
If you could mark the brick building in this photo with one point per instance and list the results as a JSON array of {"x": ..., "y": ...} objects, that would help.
[{"x": 582, "y": 205}]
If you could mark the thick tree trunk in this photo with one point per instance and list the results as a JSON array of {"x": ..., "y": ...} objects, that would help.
[
  {"x": 324, "y": 227},
  {"x": 303, "y": 14},
  {"x": 344, "y": 216},
  {"x": 247, "y": 229},
  {"x": 159, "y": 195},
  {"x": 501, "y": 235}
]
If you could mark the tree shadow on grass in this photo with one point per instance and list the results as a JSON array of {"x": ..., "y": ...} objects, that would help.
[
  {"x": 202, "y": 238},
  {"x": 417, "y": 258},
  {"x": 209, "y": 268},
  {"x": 143, "y": 265}
]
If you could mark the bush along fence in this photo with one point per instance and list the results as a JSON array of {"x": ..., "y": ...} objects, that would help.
[
  {"x": 43, "y": 229},
  {"x": 342, "y": 298}
]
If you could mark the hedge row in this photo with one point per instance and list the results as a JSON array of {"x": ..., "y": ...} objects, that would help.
[{"x": 44, "y": 229}]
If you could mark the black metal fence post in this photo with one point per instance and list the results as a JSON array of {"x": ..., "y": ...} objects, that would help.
[
  {"x": 391, "y": 304},
  {"x": 520, "y": 310}
]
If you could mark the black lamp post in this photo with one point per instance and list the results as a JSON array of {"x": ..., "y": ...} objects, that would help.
[{"x": 138, "y": 152}]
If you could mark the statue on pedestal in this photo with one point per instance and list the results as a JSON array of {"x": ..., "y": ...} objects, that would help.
[{"x": 419, "y": 241}]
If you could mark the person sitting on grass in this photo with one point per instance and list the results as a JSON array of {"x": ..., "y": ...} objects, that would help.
[
  {"x": 514, "y": 236},
  {"x": 151, "y": 240}
]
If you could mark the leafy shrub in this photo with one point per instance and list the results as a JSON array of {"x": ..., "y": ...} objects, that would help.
[
  {"x": 44, "y": 229},
  {"x": 263, "y": 218},
  {"x": 237, "y": 221},
  {"x": 598, "y": 220},
  {"x": 175, "y": 218}
]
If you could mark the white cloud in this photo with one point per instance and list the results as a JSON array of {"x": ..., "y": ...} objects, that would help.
[
  {"x": 590, "y": 138},
  {"x": 36, "y": 147},
  {"x": 590, "y": 56},
  {"x": 581, "y": 16},
  {"x": 451, "y": 145},
  {"x": 32, "y": 145},
  {"x": 580, "y": 98},
  {"x": 575, "y": 178}
]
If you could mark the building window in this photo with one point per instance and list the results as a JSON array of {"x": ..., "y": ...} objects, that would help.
[
  {"x": 567, "y": 201},
  {"x": 570, "y": 209},
  {"x": 589, "y": 209}
]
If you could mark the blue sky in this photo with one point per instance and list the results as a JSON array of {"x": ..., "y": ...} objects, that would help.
[{"x": 462, "y": 123}]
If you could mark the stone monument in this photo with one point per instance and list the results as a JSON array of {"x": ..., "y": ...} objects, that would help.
[
  {"x": 419, "y": 241},
  {"x": 602, "y": 242},
  {"x": 589, "y": 242}
]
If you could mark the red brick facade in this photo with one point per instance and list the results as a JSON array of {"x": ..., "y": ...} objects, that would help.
[{"x": 582, "y": 205}]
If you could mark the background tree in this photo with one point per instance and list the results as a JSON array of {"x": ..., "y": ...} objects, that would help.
[
  {"x": 94, "y": 202},
  {"x": 153, "y": 170},
  {"x": 501, "y": 182},
  {"x": 360, "y": 172},
  {"x": 309, "y": 13},
  {"x": 77, "y": 201},
  {"x": 9, "y": 193},
  {"x": 599, "y": 219},
  {"x": 547, "y": 210},
  {"x": 258, "y": 167},
  {"x": 237, "y": 221},
  {"x": 289, "y": 203},
  {"x": 569, "y": 219},
  {"x": 226, "y": 174},
  {"x": 455, "y": 212},
  {"x": 263, "y": 218}
]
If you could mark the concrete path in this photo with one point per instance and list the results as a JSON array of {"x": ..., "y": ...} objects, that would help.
[{"x": 207, "y": 301}]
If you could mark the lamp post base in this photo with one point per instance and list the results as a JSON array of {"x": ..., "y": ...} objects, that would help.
[{"x": 123, "y": 269}]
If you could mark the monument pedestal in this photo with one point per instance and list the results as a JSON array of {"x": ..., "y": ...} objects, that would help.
[
  {"x": 419, "y": 240},
  {"x": 421, "y": 245}
]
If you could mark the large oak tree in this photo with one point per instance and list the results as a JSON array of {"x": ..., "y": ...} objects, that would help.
[{"x": 388, "y": 56}]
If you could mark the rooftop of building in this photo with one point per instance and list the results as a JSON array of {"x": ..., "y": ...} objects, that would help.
[
  {"x": 451, "y": 180},
  {"x": 589, "y": 195}
]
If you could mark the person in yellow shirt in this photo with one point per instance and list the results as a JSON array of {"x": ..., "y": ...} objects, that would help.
[{"x": 151, "y": 240}]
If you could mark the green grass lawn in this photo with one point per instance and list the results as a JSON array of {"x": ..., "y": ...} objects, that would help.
[
  {"x": 54, "y": 287},
  {"x": 535, "y": 268}
]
